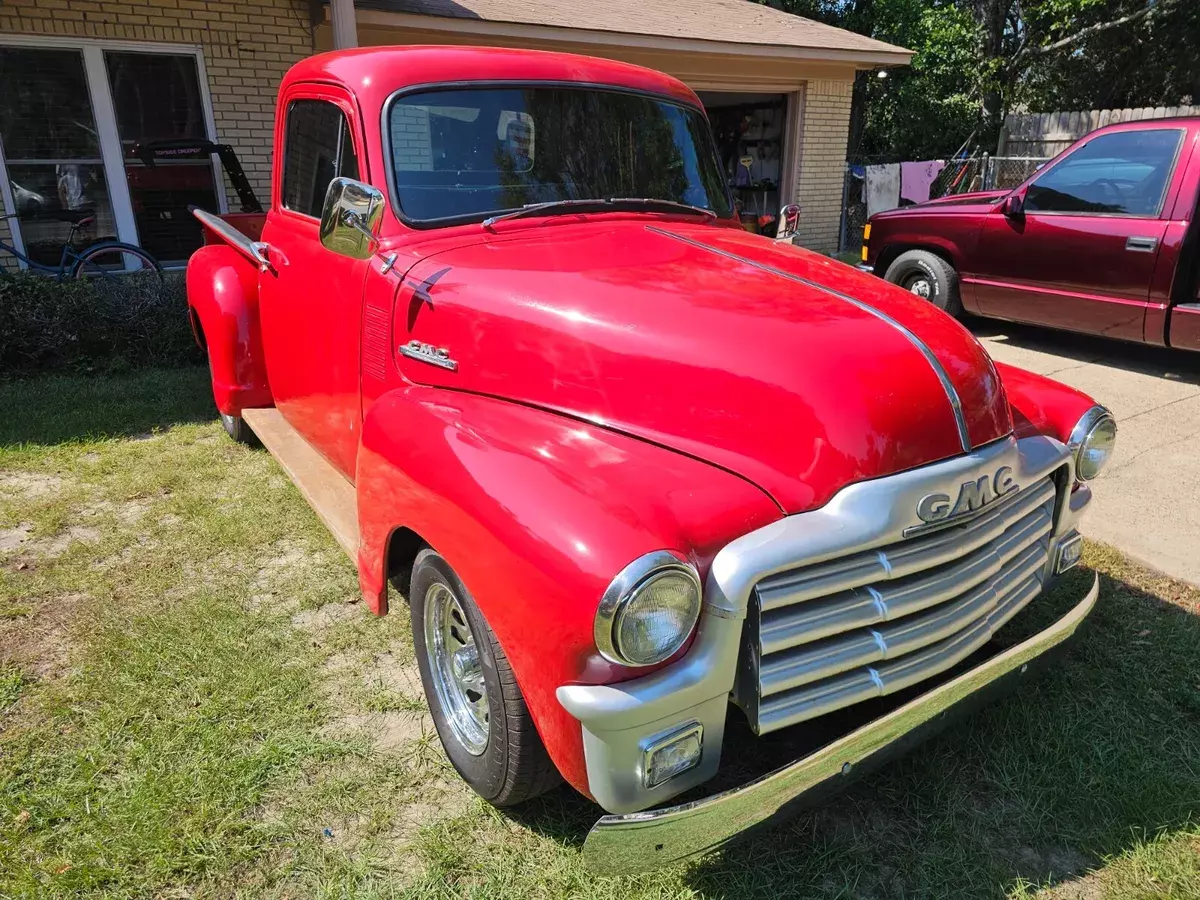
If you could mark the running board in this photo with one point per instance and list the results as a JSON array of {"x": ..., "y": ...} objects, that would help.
[{"x": 330, "y": 493}]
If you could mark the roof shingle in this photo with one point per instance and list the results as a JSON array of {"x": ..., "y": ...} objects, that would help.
[{"x": 728, "y": 21}]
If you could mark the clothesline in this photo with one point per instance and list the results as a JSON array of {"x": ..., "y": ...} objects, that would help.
[{"x": 885, "y": 186}]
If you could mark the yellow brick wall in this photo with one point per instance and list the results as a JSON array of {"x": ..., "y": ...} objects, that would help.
[
  {"x": 822, "y": 162},
  {"x": 247, "y": 48}
]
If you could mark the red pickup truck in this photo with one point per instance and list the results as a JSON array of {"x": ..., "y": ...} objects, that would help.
[
  {"x": 1103, "y": 239},
  {"x": 637, "y": 471}
]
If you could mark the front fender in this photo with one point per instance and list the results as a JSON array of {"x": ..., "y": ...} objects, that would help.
[
  {"x": 537, "y": 513},
  {"x": 222, "y": 292},
  {"x": 1041, "y": 405}
]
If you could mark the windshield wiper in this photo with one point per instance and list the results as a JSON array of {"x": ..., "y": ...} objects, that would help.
[{"x": 532, "y": 208}]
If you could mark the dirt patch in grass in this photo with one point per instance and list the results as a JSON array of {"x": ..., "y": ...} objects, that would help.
[
  {"x": 38, "y": 641},
  {"x": 29, "y": 485},
  {"x": 126, "y": 512},
  {"x": 13, "y": 539}
]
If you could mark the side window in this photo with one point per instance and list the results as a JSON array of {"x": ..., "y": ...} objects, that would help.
[
  {"x": 1123, "y": 173},
  {"x": 317, "y": 148}
]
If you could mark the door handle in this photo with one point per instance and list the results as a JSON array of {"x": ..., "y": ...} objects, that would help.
[
  {"x": 1141, "y": 244},
  {"x": 258, "y": 252}
]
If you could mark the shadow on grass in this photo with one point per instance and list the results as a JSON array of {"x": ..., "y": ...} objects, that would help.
[
  {"x": 58, "y": 409},
  {"x": 1160, "y": 362},
  {"x": 1099, "y": 753}
]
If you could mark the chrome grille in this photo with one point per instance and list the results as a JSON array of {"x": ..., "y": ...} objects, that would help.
[{"x": 874, "y": 622}]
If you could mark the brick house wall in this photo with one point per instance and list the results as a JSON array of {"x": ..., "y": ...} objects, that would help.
[
  {"x": 247, "y": 47},
  {"x": 824, "y": 129}
]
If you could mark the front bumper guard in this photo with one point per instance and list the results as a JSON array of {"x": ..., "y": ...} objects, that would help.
[{"x": 637, "y": 842}]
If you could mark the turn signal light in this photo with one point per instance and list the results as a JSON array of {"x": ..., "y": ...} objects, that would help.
[{"x": 673, "y": 754}]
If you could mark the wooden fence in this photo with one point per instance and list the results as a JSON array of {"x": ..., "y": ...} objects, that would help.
[{"x": 1047, "y": 134}]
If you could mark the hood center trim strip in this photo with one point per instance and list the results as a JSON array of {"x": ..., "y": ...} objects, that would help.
[{"x": 934, "y": 363}]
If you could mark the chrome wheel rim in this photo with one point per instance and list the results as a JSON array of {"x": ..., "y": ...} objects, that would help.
[
  {"x": 455, "y": 668},
  {"x": 920, "y": 287}
]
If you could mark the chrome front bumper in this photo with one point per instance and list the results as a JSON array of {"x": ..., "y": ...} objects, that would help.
[
  {"x": 635, "y": 842},
  {"x": 621, "y": 721}
]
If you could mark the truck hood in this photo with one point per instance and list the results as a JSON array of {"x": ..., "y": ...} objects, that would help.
[
  {"x": 787, "y": 368},
  {"x": 975, "y": 199}
]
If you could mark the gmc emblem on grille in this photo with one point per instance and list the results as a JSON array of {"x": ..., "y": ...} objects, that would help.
[{"x": 972, "y": 497}]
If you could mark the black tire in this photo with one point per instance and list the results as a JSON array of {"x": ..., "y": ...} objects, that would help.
[
  {"x": 928, "y": 276},
  {"x": 512, "y": 765},
  {"x": 106, "y": 258},
  {"x": 236, "y": 428}
]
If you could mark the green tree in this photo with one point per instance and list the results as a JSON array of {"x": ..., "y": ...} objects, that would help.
[{"x": 976, "y": 60}]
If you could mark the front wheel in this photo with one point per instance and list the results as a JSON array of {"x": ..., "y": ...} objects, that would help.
[
  {"x": 109, "y": 259},
  {"x": 929, "y": 277},
  {"x": 477, "y": 707}
]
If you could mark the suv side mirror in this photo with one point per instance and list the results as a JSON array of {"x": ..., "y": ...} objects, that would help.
[
  {"x": 1014, "y": 205},
  {"x": 350, "y": 218},
  {"x": 789, "y": 223}
]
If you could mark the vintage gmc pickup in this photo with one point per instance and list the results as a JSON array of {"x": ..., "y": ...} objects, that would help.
[
  {"x": 629, "y": 464},
  {"x": 1103, "y": 239}
]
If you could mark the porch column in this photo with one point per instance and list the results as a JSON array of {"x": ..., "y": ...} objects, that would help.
[{"x": 345, "y": 30}]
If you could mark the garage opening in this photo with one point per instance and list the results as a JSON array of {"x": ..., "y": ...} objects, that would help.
[{"x": 750, "y": 131}]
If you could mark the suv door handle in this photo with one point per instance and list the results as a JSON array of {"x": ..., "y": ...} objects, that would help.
[{"x": 1141, "y": 244}]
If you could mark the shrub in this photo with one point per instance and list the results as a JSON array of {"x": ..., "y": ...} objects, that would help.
[{"x": 124, "y": 323}]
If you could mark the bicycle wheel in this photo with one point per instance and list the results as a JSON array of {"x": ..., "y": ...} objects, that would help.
[{"x": 108, "y": 259}]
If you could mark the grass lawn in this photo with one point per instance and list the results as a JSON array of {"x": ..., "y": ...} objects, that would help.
[{"x": 194, "y": 704}]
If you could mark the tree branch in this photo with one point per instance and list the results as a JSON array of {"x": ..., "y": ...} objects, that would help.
[{"x": 1152, "y": 7}]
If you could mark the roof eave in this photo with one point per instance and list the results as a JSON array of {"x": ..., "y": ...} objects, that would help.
[{"x": 859, "y": 58}]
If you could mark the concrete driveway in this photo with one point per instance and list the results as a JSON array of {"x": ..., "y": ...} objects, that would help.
[{"x": 1148, "y": 499}]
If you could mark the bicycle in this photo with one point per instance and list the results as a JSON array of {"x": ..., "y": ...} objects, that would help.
[{"x": 105, "y": 259}]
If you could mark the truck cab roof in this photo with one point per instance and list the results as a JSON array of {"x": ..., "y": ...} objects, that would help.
[{"x": 374, "y": 73}]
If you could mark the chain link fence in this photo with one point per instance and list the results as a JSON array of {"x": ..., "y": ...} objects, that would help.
[{"x": 973, "y": 173}]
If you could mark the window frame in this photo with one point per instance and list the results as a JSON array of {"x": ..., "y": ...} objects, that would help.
[
  {"x": 103, "y": 109},
  {"x": 389, "y": 174},
  {"x": 1168, "y": 185},
  {"x": 348, "y": 126}
]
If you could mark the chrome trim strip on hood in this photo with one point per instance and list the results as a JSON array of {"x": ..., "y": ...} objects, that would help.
[{"x": 951, "y": 394}]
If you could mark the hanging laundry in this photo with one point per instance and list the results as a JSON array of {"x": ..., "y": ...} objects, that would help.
[
  {"x": 882, "y": 188},
  {"x": 916, "y": 178}
]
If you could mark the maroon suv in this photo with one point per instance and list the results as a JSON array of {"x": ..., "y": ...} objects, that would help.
[{"x": 1101, "y": 240}]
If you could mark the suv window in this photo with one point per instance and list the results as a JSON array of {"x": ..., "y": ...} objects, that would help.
[
  {"x": 1123, "y": 173},
  {"x": 317, "y": 148}
]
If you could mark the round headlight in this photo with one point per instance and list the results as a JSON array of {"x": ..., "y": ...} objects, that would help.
[
  {"x": 1092, "y": 441},
  {"x": 649, "y": 610}
]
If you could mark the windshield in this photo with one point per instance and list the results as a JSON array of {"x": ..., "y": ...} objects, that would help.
[{"x": 470, "y": 153}]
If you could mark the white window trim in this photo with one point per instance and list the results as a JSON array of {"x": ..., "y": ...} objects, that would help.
[{"x": 100, "y": 97}]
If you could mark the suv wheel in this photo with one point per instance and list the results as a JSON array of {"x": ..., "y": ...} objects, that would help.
[{"x": 929, "y": 277}]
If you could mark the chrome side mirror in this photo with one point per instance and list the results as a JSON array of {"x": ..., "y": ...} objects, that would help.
[
  {"x": 350, "y": 218},
  {"x": 789, "y": 223}
]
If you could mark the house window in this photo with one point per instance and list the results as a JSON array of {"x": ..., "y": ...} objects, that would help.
[
  {"x": 71, "y": 116},
  {"x": 156, "y": 96},
  {"x": 317, "y": 148},
  {"x": 51, "y": 146}
]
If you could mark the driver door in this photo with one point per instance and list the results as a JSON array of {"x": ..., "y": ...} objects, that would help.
[{"x": 1082, "y": 254}]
